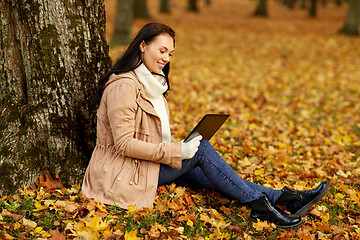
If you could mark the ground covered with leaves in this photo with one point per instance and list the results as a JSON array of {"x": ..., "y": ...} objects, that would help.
[{"x": 292, "y": 87}]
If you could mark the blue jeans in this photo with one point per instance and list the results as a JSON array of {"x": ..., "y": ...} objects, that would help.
[{"x": 208, "y": 170}]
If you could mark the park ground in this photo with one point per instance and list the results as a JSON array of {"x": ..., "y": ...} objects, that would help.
[{"x": 292, "y": 87}]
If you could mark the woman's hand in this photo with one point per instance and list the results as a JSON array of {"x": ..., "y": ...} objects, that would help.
[{"x": 189, "y": 148}]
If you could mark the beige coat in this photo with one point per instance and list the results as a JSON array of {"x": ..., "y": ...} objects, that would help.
[{"x": 124, "y": 167}]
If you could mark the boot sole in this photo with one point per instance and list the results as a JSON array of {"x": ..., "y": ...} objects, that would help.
[
  {"x": 295, "y": 226},
  {"x": 305, "y": 208}
]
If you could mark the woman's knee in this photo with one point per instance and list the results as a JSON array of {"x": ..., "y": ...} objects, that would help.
[{"x": 204, "y": 144}]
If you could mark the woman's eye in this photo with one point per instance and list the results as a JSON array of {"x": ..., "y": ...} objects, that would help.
[{"x": 162, "y": 51}]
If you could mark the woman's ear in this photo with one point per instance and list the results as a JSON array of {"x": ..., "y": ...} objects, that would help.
[{"x": 142, "y": 46}]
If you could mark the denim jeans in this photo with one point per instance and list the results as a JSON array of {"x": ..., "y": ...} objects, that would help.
[{"x": 208, "y": 170}]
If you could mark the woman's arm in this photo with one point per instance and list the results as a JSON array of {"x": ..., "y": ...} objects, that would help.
[{"x": 121, "y": 110}]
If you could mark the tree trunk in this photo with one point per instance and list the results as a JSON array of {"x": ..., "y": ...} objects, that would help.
[
  {"x": 303, "y": 4},
  {"x": 51, "y": 55},
  {"x": 313, "y": 8},
  {"x": 140, "y": 9},
  {"x": 123, "y": 23},
  {"x": 192, "y": 6},
  {"x": 351, "y": 26},
  {"x": 338, "y": 3},
  {"x": 164, "y": 6},
  {"x": 261, "y": 10}
]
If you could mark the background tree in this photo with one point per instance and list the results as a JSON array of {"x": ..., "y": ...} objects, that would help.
[
  {"x": 140, "y": 9},
  {"x": 290, "y": 3},
  {"x": 313, "y": 8},
  {"x": 261, "y": 9},
  {"x": 164, "y": 6},
  {"x": 192, "y": 6},
  {"x": 52, "y": 54},
  {"x": 123, "y": 22},
  {"x": 351, "y": 26}
]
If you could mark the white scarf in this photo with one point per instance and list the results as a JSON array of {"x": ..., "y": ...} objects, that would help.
[{"x": 155, "y": 86}]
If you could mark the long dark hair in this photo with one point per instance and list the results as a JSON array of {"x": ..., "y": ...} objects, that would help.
[{"x": 131, "y": 58}]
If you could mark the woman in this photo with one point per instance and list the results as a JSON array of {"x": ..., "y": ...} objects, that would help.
[{"x": 135, "y": 152}]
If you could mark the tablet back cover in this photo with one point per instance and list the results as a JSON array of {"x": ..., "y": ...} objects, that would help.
[{"x": 207, "y": 126}]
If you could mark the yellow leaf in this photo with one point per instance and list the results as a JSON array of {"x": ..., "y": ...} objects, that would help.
[
  {"x": 259, "y": 171},
  {"x": 79, "y": 226},
  {"x": 261, "y": 225},
  {"x": 339, "y": 195},
  {"x": 344, "y": 187},
  {"x": 215, "y": 214},
  {"x": 180, "y": 191},
  {"x": 162, "y": 228},
  {"x": 325, "y": 217},
  {"x": 132, "y": 235},
  {"x": 17, "y": 225},
  {"x": 38, "y": 206},
  {"x": 45, "y": 234},
  {"x": 38, "y": 229},
  {"x": 205, "y": 218},
  {"x": 190, "y": 223},
  {"x": 132, "y": 209}
]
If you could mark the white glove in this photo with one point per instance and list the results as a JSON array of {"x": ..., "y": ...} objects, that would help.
[{"x": 189, "y": 148}]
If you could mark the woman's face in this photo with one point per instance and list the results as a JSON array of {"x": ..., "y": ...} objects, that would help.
[{"x": 156, "y": 54}]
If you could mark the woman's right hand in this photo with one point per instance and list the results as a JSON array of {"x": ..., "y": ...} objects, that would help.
[{"x": 189, "y": 148}]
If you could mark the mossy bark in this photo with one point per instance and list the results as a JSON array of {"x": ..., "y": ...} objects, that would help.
[
  {"x": 51, "y": 55},
  {"x": 261, "y": 10},
  {"x": 351, "y": 26},
  {"x": 123, "y": 22}
]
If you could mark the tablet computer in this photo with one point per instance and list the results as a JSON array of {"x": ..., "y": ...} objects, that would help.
[{"x": 207, "y": 126}]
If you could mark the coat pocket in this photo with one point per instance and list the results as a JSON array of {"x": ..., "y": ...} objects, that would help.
[{"x": 123, "y": 189}]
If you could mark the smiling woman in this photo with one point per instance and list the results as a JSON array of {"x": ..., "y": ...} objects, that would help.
[
  {"x": 156, "y": 54},
  {"x": 135, "y": 152}
]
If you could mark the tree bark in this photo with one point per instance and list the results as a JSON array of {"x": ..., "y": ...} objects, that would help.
[
  {"x": 140, "y": 9},
  {"x": 123, "y": 22},
  {"x": 351, "y": 26},
  {"x": 164, "y": 6},
  {"x": 192, "y": 6},
  {"x": 52, "y": 54},
  {"x": 261, "y": 10}
]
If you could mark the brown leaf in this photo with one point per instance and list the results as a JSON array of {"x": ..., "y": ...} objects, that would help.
[
  {"x": 49, "y": 183},
  {"x": 16, "y": 217},
  {"x": 56, "y": 235}
]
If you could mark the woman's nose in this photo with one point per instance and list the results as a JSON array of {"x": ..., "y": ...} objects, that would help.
[{"x": 166, "y": 58}]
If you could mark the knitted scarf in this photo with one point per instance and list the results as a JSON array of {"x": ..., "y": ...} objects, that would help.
[{"x": 155, "y": 86}]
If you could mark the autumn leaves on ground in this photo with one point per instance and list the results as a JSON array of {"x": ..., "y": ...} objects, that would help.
[{"x": 291, "y": 85}]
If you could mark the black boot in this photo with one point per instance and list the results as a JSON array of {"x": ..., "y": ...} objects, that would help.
[
  {"x": 264, "y": 210},
  {"x": 298, "y": 202}
]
